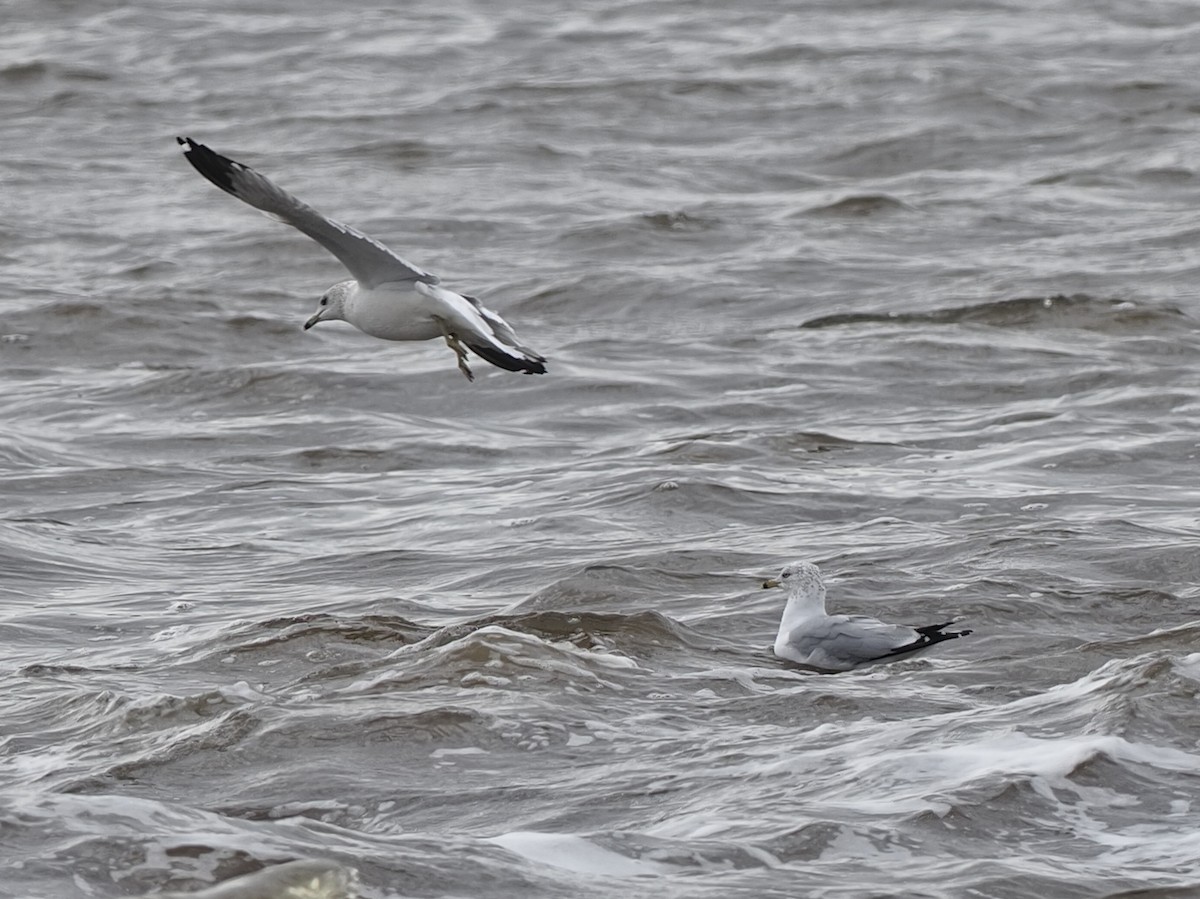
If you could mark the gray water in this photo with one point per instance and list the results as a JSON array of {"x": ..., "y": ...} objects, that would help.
[{"x": 904, "y": 289}]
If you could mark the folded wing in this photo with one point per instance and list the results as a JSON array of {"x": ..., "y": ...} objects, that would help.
[{"x": 842, "y": 642}]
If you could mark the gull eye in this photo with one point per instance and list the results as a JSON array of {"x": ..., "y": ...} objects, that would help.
[
  {"x": 786, "y": 574},
  {"x": 324, "y": 301}
]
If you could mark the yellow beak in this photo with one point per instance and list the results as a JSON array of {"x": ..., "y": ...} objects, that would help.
[{"x": 770, "y": 582}]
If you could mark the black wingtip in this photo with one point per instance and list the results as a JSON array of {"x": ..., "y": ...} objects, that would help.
[
  {"x": 935, "y": 632},
  {"x": 509, "y": 363},
  {"x": 930, "y": 635},
  {"x": 212, "y": 165}
]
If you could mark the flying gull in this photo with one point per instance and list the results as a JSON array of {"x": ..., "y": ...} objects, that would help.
[
  {"x": 388, "y": 297},
  {"x": 811, "y": 637}
]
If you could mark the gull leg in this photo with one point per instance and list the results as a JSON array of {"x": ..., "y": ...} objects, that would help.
[{"x": 459, "y": 350}]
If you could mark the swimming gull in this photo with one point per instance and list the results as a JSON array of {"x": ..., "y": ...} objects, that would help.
[
  {"x": 811, "y": 637},
  {"x": 305, "y": 879},
  {"x": 388, "y": 297}
]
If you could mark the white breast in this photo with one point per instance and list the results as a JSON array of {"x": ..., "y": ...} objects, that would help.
[{"x": 393, "y": 312}]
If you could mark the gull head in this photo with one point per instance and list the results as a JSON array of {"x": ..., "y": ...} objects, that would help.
[
  {"x": 798, "y": 577},
  {"x": 332, "y": 305},
  {"x": 806, "y": 592}
]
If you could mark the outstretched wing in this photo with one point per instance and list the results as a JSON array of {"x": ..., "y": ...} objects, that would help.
[
  {"x": 369, "y": 261},
  {"x": 484, "y": 331}
]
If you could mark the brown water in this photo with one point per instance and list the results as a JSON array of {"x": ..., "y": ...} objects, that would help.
[{"x": 907, "y": 290}]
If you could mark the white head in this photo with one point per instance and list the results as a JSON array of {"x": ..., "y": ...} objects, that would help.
[
  {"x": 332, "y": 306},
  {"x": 805, "y": 588}
]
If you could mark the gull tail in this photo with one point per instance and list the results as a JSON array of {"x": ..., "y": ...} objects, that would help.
[{"x": 929, "y": 635}]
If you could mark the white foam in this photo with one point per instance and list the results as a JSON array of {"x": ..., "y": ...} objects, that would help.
[{"x": 573, "y": 853}]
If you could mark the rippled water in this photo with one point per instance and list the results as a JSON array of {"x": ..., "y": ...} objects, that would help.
[{"x": 904, "y": 289}]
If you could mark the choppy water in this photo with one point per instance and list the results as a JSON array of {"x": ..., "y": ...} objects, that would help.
[{"x": 905, "y": 289}]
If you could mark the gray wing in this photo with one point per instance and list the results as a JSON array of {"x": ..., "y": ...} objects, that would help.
[
  {"x": 369, "y": 261},
  {"x": 842, "y": 642}
]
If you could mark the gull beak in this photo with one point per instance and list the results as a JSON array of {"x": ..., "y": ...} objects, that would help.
[
  {"x": 770, "y": 582},
  {"x": 312, "y": 321}
]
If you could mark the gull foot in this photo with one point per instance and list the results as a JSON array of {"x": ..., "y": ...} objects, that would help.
[{"x": 459, "y": 350}]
